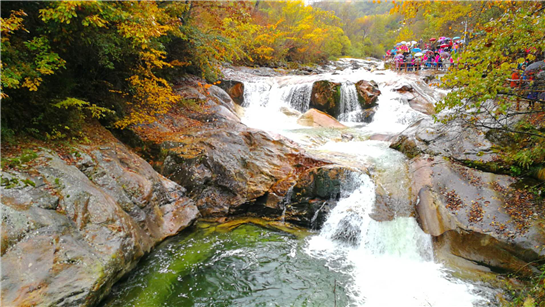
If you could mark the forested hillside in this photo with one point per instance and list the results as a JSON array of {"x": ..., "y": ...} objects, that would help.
[
  {"x": 369, "y": 25},
  {"x": 65, "y": 61}
]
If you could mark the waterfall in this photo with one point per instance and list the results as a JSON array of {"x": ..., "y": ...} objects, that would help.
[
  {"x": 256, "y": 93},
  {"x": 262, "y": 94},
  {"x": 370, "y": 263},
  {"x": 350, "y": 109},
  {"x": 390, "y": 262},
  {"x": 266, "y": 100},
  {"x": 297, "y": 96},
  {"x": 286, "y": 202}
]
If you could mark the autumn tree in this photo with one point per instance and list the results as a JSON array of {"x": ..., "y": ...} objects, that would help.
[
  {"x": 106, "y": 59},
  {"x": 500, "y": 36}
]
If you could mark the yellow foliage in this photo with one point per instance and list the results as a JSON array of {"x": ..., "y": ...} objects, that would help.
[
  {"x": 32, "y": 84},
  {"x": 153, "y": 96},
  {"x": 11, "y": 24}
]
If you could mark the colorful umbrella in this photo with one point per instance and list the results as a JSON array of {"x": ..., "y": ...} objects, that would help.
[
  {"x": 444, "y": 45},
  {"x": 417, "y": 50},
  {"x": 442, "y": 38},
  {"x": 432, "y": 39}
]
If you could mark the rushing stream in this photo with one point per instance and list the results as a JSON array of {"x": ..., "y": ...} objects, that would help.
[{"x": 353, "y": 261}]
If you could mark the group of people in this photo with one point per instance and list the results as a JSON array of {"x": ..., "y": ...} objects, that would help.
[
  {"x": 528, "y": 81},
  {"x": 434, "y": 54}
]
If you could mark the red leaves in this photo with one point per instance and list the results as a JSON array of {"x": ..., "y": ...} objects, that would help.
[{"x": 454, "y": 203}]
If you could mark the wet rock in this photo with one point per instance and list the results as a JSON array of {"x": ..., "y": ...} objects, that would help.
[
  {"x": 349, "y": 230},
  {"x": 326, "y": 97},
  {"x": 190, "y": 93},
  {"x": 368, "y": 93},
  {"x": 316, "y": 192},
  {"x": 222, "y": 97},
  {"x": 455, "y": 141},
  {"x": 367, "y": 115},
  {"x": 225, "y": 171},
  {"x": 474, "y": 215},
  {"x": 402, "y": 88},
  {"x": 418, "y": 103},
  {"x": 85, "y": 222},
  {"x": 290, "y": 112},
  {"x": 380, "y": 137},
  {"x": 235, "y": 90},
  {"x": 347, "y": 137},
  {"x": 316, "y": 118}
]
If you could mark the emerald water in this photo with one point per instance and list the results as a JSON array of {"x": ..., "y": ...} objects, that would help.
[{"x": 233, "y": 264}]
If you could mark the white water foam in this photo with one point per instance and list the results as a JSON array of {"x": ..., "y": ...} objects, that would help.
[
  {"x": 390, "y": 263},
  {"x": 350, "y": 109}
]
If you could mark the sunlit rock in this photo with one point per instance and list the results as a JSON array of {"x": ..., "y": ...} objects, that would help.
[{"x": 316, "y": 118}]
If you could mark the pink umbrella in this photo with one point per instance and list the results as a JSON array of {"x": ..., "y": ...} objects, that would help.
[{"x": 432, "y": 39}]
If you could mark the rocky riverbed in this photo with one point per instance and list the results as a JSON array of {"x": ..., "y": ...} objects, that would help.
[{"x": 73, "y": 223}]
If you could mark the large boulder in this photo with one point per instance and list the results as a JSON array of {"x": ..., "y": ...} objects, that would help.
[
  {"x": 74, "y": 223},
  {"x": 326, "y": 97},
  {"x": 316, "y": 118},
  {"x": 454, "y": 140},
  {"x": 235, "y": 89},
  {"x": 316, "y": 192},
  {"x": 477, "y": 216},
  {"x": 368, "y": 93}
]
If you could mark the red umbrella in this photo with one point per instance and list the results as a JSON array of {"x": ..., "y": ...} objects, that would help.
[
  {"x": 444, "y": 45},
  {"x": 432, "y": 39}
]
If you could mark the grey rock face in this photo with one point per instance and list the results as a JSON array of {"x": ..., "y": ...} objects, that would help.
[
  {"x": 84, "y": 222},
  {"x": 476, "y": 216}
]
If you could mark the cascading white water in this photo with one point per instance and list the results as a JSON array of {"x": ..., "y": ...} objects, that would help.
[
  {"x": 350, "y": 109},
  {"x": 297, "y": 96},
  {"x": 262, "y": 94},
  {"x": 391, "y": 262},
  {"x": 264, "y": 101},
  {"x": 394, "y": 113},
  {"x": 256, "y": 93}
]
